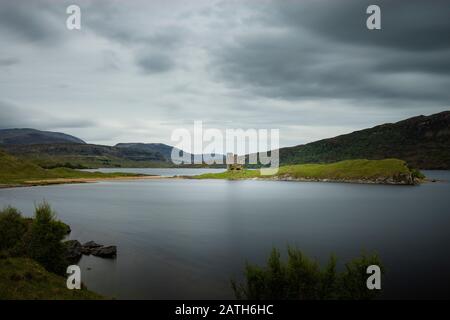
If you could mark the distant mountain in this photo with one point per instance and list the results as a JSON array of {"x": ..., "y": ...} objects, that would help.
[
  {"x": 83, "y": 155},
  {"x": 161, "y": 148},
  {"x": 423, "y": 142},
  {"x": 32, "y": 136}
]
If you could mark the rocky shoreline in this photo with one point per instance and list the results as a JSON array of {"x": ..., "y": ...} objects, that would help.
[
  {"x": 75, "y": 250},
  {"x": 403, "y": 179}
]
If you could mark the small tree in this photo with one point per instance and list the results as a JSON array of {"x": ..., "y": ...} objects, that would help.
[
  {"x": 301, "y": 278},
  {"x": 43, "y": 242}
]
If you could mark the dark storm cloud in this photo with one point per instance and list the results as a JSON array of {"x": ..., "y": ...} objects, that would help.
[
  {"x": 407, "y": 25},
  {"x": 322, "y": 49},
  {"x": 432, "y": 61}
]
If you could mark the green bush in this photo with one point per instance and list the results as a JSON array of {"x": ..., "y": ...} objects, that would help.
[
  {"x": 12, "y": 228},
  {"x": 43, "y": 242},
  {"x": 417, "y": 174},
  {"x": 301, "y": 278}
]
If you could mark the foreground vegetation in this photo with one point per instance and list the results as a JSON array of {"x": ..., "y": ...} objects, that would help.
[
  {"x": 391, "y": 171},
  {"x": 33, "y": 257},
  {"x": 301, "y": 278},
  {"x": 33, "y": 260},
  {"x": 14, "y": 171}
]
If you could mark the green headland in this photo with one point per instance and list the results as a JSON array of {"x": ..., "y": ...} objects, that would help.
[{"x": 386, "y": 171}]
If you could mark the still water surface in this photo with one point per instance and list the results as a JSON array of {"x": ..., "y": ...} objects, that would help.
[
  {"x": 180, "y": 239},
  {"x": 164, "y": 172}
]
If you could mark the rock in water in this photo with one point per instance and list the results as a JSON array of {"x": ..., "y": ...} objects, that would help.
[
  {"x": 73, "y": 250},
  {"x": 105, "y": 252},
  {"x": 89, "y": 246}
]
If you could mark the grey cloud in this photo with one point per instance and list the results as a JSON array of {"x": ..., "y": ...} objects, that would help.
[
  {"x": 43, "y": 23},
  {"x": 12, "y": 116},
  {"x": 155, "y": 63},
  {"x": 6, "y": 62},
  {"x": 154, "y": 50},
  {"x": 31, "y": 21},
  {"x": 282, "y": 64}
]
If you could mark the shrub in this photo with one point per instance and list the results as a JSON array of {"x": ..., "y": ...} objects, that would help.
[
  {"x": 352, "y": 281},
  {"x": 301, "y": 278},
  {"x": 43, "y": 242},
  {"x": 12, "y": 228}
]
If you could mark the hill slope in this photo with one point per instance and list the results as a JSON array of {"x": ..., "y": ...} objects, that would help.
[
  {"x": 32, "y": 136},
  {"x": 423, "y": 142},
  {"x": 25, "y": 279},
  {"x": 85, "y": 155},
  {"x": 12, "y": 170}
]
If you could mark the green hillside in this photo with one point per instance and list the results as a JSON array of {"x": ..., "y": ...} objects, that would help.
[
  {"x": 85, "y": 156},
  {"x": 423, "y": 142},
  {"x": 15, "y": 171}
]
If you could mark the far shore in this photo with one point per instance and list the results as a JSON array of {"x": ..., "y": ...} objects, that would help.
[{"x": 48, "y": 182}]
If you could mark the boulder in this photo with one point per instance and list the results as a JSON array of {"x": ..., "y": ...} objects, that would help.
[
  {"x": 89, "y": 246},
  {"x": 105, "y": 252},
  {"x": 73, "y": 250}
]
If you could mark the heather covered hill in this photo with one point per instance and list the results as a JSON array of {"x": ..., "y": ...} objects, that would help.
[
  {"x": 80, "y": 156},
  {"x": 423, "y": 142}
]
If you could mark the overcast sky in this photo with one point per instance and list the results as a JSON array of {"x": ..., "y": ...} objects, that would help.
[{"x": 139, "y": 69}]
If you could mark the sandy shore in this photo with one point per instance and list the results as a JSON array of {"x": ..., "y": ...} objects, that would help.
[{"x": 46, "y": 182}]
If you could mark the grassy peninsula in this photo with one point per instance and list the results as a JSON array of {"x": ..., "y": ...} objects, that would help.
[{"x": 387, "y": 171}]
